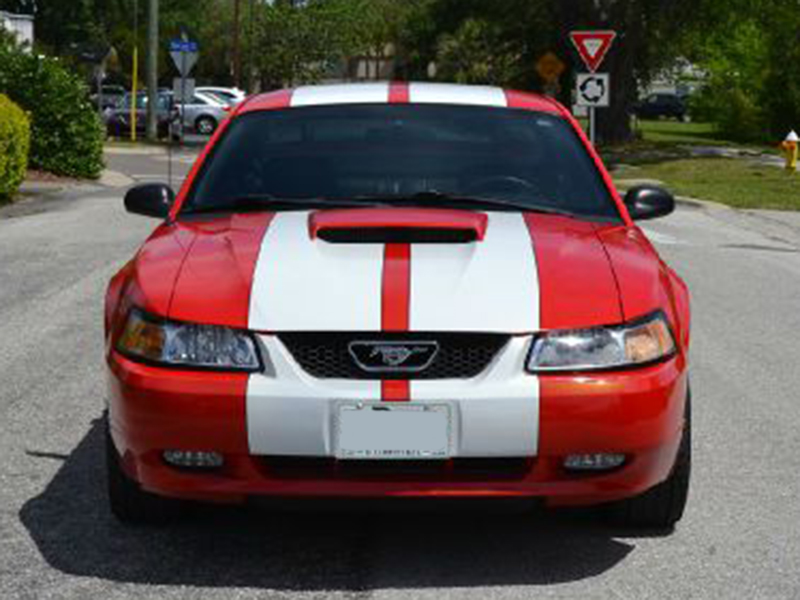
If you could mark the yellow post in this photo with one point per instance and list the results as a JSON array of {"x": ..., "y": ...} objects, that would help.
[
  {"x": 790, "y": 147},
  {"x": 134, "y": 91}
]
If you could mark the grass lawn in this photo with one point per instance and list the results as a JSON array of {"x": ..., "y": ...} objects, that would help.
[
  {"x": 661, "y": 140},
  {"x": 736, "y": 182},
  {"x": 676, "y": 132}
]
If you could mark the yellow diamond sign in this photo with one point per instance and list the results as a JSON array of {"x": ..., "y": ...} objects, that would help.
[{"x": 550, "y": 67}]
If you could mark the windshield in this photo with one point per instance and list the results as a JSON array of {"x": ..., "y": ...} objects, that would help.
[{"x": 398, "y": 152}]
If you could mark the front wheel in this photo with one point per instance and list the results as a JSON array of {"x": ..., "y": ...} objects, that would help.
[
  {"x": 128, "y": 502},
  {"x": 662, "y": 506},
  {"x": 205, "y": 126}
]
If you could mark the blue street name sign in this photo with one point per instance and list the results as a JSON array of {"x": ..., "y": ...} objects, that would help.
[{"x": 183, "y": 46}]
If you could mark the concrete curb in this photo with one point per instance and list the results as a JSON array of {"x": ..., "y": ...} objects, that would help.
[
  {"x": 704, "y": 204},
  {"x": 115, "y": 179},
  {"x": 135, "y": 150}
]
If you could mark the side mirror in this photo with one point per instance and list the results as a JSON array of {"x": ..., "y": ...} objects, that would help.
[
  {"x": 649, "y": 202},
  {"x": 150, "y": 200}
]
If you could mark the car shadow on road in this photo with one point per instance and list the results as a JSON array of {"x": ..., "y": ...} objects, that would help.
[{"x": 310, "y": 550}]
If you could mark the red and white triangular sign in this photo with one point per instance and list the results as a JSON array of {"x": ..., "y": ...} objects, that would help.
[{"x": 593, "y": 46}]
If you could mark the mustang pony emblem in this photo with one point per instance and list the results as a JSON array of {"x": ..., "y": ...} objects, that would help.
[{"x": 393, "y": 356}]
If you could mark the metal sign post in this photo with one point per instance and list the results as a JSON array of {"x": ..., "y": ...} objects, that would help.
[
  {"x": 184, "y": 53},
  {"x": 593, "y": 89}
]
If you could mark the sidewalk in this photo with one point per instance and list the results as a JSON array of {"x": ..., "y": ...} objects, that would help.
[{"x": 761, "y": 158}]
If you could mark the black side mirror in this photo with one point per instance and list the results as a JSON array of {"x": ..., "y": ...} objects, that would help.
[
  {"x": 150, "y": 200},
  {"x": 649, "y": 202}
]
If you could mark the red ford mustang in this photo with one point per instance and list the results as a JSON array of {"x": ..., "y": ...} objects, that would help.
[{"x": 388, "y": 290}]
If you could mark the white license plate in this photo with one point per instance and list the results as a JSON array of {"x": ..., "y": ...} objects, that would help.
[{"x": 392, "y": 431}]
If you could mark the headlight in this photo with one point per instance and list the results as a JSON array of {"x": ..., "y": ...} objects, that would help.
[
  {"x": 641, "y": 342},
  {"x": 185, "y": 344}
]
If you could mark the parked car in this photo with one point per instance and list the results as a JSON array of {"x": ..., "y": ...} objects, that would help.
[
  {"x": 231, "y": 96},
  {"x": 654, "y": 106},
  {"x": 203, "y": 113},
  {"x": 399, "y": 290},
  {"x": 112, "y": 95},
  {"x": 117, "y": 118}
]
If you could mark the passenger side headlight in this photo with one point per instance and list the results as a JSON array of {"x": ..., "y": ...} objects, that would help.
[
  {"x": 637, "y": 343},
  {"x": 190, "y": 345}
]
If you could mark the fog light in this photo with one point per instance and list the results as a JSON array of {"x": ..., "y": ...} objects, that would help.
[
  {"x": 593, "y": 462},
  {"x": 193, "y": 459}
]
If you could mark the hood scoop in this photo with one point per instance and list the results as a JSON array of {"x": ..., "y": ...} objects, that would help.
[{"x": 397, "y": 226}]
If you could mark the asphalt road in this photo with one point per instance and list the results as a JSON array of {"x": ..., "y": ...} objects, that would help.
[{"x": 739, "y": 539}]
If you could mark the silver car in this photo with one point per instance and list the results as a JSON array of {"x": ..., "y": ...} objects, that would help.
[
  {"x": 230, "y": 96},
  {"x": 203, "y": 113}
]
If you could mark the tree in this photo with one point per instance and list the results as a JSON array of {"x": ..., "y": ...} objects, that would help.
[
  {"x": 300, "y": 44},
  {"x": 749, "y": 51},
  {"x": 649, "y": 38},
  {"x": 477, "y": 53},
  {"x": 66, "y": 133},
  {"x": 499, "y": 42}
]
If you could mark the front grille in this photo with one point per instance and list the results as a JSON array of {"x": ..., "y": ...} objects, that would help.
[
  {"x": 456, "y": 469},
  {"x": 460, "y": 355}
]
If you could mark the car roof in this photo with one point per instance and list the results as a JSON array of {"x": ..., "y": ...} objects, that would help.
[
  {"x": 219, "y": 89},
  {"x": 207, "y": 95},
  {"x": 412, "y": 93}
]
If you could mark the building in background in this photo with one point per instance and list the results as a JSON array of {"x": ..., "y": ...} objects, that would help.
[
  {"x": 682, "y": 79},
  {"x": 378, "y": 66},
  {"x": 20, "y": 25}
]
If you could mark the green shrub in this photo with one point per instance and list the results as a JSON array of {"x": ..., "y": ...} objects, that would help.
[
  {"x": 15, "y": 137},
  {"x": 66, "y": 133},
  {"x": 736, "y": 112}
]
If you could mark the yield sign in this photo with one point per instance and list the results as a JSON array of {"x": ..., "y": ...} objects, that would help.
[
  {"x": 593, "y": 46},
  {"x": 184, "y": 53}
]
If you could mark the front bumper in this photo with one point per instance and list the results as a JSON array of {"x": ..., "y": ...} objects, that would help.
[{"x": 637, "y": 412}]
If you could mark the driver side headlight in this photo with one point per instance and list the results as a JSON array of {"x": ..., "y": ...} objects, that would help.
[
  {"x": 173, "y": 343},
  {"x": 640, "y": 342}
]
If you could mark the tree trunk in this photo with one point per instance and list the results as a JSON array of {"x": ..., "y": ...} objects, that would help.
[
  {"x": 623, "y": 16},
  {"x": 614, "y": 122}
]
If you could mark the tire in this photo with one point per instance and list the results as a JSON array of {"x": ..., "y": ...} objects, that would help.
[
  {"x": 205, "y": 125},
  {"x": 662, "y": 506},
  {"x": 128, "y": 502}
]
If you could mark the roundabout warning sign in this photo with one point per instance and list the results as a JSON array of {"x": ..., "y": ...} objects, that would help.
[{"x": 593, "y": 90}]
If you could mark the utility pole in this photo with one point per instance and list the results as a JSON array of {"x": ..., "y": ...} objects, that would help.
[
  {"x": 251, "y": 49},
  {"x": 237, "y": 46},
  {"x": 135, "y": 77},
  {"x": 152, "y": 72}
]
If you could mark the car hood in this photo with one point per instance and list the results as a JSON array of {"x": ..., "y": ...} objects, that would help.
[{"x": 275, "y": 272}]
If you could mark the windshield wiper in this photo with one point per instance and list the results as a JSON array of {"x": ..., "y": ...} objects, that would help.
[
  {"x": 437, "y": 198},
  {"x": 428, "y": 198},
  {"x": 268, "y": 202}
]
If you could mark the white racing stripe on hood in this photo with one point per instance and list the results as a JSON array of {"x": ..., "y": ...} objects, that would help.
[
  {"x": 490, "y": 285},
  {"x": 305, "y": 285},
  {"x": 301, "y": 284}
]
